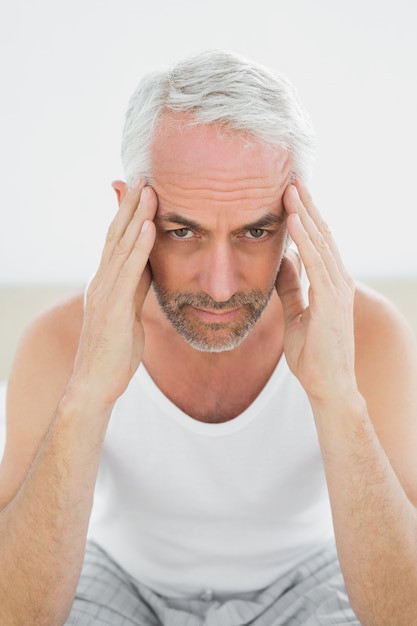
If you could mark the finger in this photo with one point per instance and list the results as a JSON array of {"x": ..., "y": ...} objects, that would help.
[
  {"x": 313, "y": 244},
  {"x": 118, "y": 226},
  {"x": 135, "y": 277},
  {"x": 319, "y": 222},
  {"x": 146, "y": 209},
  {"x": 303, "y": 206},
  {"x": 323, "y": 230},
  {"x": 288, "y": 286}
]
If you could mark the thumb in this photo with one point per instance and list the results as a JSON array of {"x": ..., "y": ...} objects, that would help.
[{"x": 288, "y": 286}]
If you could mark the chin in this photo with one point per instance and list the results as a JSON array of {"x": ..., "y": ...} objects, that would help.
[{"x": 203, "y": 343}]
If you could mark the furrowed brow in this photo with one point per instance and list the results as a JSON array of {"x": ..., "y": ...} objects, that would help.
[
  {"x": 270, "y": 219},
  {"x": 175, "y": 218}
]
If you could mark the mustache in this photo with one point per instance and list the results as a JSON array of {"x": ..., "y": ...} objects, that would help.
[{"x": 203, "y": 300}]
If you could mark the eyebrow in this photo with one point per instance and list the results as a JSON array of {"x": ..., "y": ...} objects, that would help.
[
  {"x": 176, "y": 218},
  {"x": 269, "y": 219}
]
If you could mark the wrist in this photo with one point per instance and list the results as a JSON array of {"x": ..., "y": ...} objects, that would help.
[
  {"x": 340, "y": 415},
  {"x": 81, "y": 399}
]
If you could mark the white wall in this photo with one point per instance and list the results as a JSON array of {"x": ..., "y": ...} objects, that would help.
[{"x": 68, "y": 69}]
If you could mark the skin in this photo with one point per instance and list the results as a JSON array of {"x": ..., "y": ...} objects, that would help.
[
  {"x": 219, "y": 259},
  {"x": 353, "y": 353},
  {"x": 201, "y": 248}
]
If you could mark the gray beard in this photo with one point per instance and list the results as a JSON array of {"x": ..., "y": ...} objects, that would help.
[{"x": 213, "y": 337}]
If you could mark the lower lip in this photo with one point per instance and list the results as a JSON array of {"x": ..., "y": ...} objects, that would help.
[{"x": 219, "y": 318}]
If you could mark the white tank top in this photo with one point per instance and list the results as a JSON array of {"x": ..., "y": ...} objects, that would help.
[{"x": 186, "y": 507}]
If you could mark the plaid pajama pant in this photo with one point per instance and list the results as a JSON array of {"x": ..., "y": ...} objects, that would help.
[{"x": 311, "y": 595}]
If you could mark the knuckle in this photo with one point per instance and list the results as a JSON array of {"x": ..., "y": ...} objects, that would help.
[
  {"x": 308, "y": 196},
  {"x": 112, "y": 233},
  {"x": 325, "y": 228},
  {"x": 321, "y": 241},
  {"x": 125, "y": 272},
  {"x": 92, "y": 293},
  {"x": 121, "y": 249},
  {"x": 318, "y": 265},
  {"x": 93, "y": 300}
]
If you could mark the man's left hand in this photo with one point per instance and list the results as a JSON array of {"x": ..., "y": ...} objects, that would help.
[{"x": 319, "y": 336}]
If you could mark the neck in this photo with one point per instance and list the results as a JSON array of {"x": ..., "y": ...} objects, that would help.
[{"x": 212, "y": 387}]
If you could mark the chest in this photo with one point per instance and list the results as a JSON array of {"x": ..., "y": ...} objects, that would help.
[
  {"x": 273, "y": 440},
  {"x": 185, "y": 505},
  {"x": 212, "y": 394}
]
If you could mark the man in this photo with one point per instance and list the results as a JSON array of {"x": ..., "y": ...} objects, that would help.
[{"x": 210, "y": 432}]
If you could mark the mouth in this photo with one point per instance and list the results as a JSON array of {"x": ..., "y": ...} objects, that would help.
[{"x": 216, "y": 317}]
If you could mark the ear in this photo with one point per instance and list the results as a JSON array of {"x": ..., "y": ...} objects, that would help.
[{"x": 121, "y": 190}]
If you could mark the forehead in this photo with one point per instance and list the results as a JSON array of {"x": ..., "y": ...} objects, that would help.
[{"x": 200, "y": 160}]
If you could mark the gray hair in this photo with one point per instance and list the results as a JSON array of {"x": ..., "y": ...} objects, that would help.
[{"x": 218, "y": 87}]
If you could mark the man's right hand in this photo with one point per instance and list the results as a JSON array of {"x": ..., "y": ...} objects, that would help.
[
  {"x": 112, "y": 337},
  {"x": 56, "y": 430}
]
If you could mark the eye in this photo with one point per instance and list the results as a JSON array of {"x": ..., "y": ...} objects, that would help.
[
  {"x": 256, "y": 233},
  {"x": 181, "y": 233}
]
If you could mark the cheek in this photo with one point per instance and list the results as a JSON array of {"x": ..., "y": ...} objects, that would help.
[
  {"x": 270, "y": 264},
  {"x": 272, "y": 254},
  {"x": 168, "y": 267}
]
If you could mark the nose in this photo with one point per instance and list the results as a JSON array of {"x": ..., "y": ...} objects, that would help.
[{"x": 219, "y": 274}]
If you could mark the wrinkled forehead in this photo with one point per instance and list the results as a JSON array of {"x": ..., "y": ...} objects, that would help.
[{"x": 207, "y": 151}]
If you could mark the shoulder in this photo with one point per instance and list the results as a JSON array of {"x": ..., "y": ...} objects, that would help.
[
  {"x": 51, "y": 339},
  {"x": 45, "y": 354},
  {"x": 386, "y": 370},
  {"x": 385, "y": 343},
  {"x": 379, "y": 325},
  {"x": 39, "y": 375}
]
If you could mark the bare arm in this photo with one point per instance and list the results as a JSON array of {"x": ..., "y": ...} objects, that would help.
[
  {"x": 365, "y": 408},
  {"x": 57, "y": 418}
]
